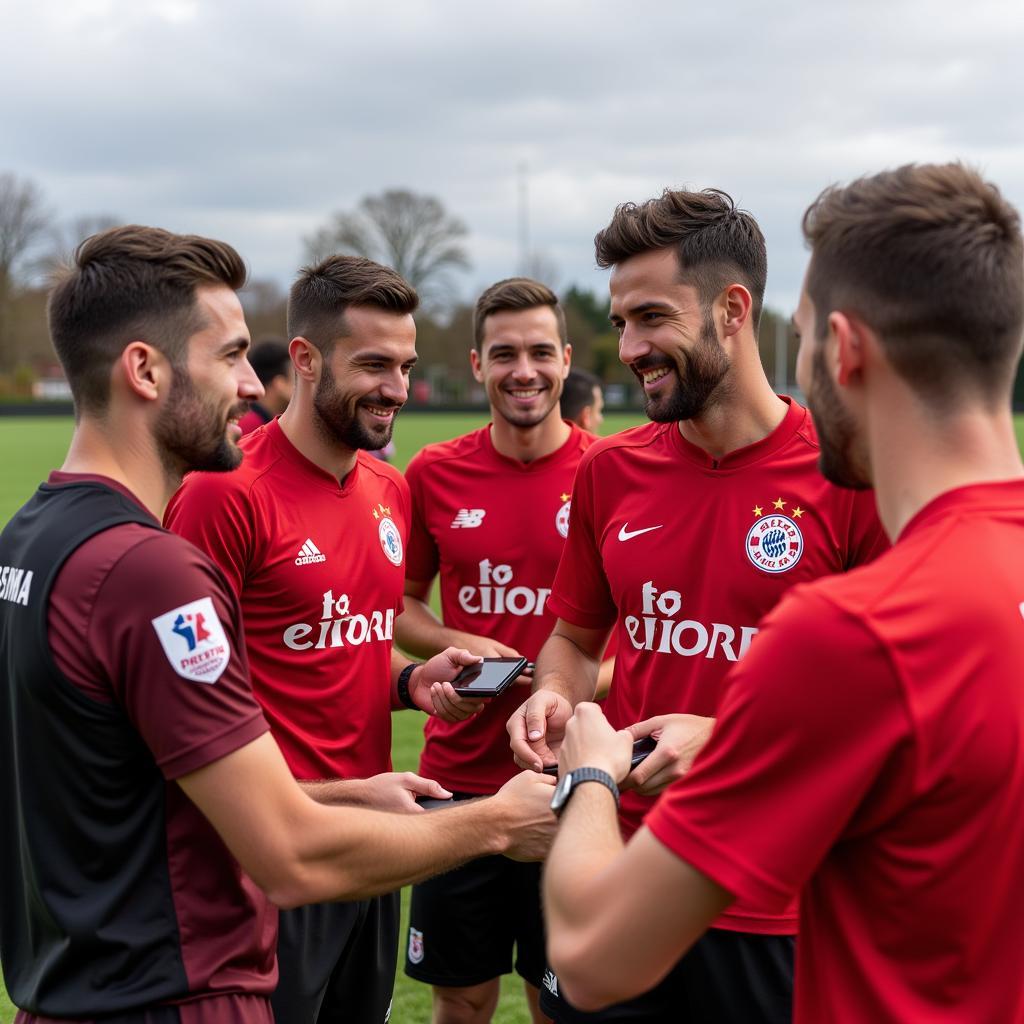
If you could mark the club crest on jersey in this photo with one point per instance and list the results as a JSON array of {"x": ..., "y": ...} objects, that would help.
[
  {"x": 775, "y": 542},
  {"x": 562, "y": 517},
  {"x": 415, "y": 946},
  {"x": 194, "y": 641},
  {"x": 390, "y": 540}
]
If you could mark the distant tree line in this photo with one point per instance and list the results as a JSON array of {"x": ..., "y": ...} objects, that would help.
[{"x": 413, "y": 233}]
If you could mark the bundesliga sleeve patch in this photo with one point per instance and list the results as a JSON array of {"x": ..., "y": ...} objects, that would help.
[{"x": 194, "y": 641}]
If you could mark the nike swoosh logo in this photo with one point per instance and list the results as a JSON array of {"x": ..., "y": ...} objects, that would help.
[{"x": 625, "y": 534}]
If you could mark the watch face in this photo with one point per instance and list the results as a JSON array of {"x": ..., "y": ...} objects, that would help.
[{"x": 562, "y": 791}]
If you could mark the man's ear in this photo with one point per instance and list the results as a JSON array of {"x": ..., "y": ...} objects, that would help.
[
  {"x": 848, "y": 337},
  {"x": 306, "y": 358},
  {"x": 736, "y": 304},
  {"x": 587, "y": 418},
  {"x": 475, "y": 366},
  {"x": 145, "y": 370}
]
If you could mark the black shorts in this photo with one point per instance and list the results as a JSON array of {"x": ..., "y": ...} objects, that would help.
[
  {"x": 337, "y": 962},
  {"x": 725, "y": 978},
  {"x": 464, "y": 924}
]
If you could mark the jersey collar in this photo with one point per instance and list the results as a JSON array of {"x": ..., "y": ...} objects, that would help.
[{"x": 749, "y": 454}]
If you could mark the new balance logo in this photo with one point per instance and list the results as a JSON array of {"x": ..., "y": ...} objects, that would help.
[
  {"x": 310, "y": 553},
  {"x": 468, "y": 518}
]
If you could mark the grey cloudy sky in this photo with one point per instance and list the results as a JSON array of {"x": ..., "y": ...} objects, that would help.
[{"x": 252, "y": 121}]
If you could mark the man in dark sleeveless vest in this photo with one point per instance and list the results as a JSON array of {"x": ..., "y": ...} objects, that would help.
[{"x": 135, "y": 764}]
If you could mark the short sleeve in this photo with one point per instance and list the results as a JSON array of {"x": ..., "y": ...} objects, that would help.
[
  {"x": 808, "y": 721},
  {"x": 423, "y": 559},
  {"x": 168, "y": 636},
  {"x": 580, "y": 593},
  {"x": 217, "y": 517}
]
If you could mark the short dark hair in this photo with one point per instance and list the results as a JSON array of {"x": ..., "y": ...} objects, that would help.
[
  {"x": 929, "y": 257},
  {"x": 515, "y": 293},
  {"x": 132, "y": 283},
  {"x": 270, "y": 359},
  {"x": 578, "y": 392},
  {"x": 714, "y": 242},
  {"x": 324, "y": 291}
]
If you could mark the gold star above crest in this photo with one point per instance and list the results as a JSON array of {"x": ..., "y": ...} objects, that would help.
[
  {"x": 565, "y": 497},
  {"x": 779, "y": 504},
  {"x": 758, "y": 511},
  {"x": 797, "y": 512},
  {"x": 376, "y": 514},
  {"x": 385, "y": 509}
]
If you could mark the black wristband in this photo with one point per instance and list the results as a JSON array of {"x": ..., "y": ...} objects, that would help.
[{"x": 403, "y": 685}]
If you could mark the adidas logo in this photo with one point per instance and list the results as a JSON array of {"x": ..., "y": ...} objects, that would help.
[
  {"x": 468, "y": 518},
  {"x": 310, "y": 553}
]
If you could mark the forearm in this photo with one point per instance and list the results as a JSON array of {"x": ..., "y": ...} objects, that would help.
[
  {"x": 353, "y": 853},
  {"x": 588, "y": 839},
  {"x": 350, "y": 792},
  {"x": 604, "y": 678},
  {"x": 566, "y": 669},
  {"x": 420, "y": 632}
]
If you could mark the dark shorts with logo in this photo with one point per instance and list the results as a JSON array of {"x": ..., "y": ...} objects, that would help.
[
  {"x": 464, "y": 924},
  {"x": 337, "y": 962},
  {"x": 726, "y": 978}
]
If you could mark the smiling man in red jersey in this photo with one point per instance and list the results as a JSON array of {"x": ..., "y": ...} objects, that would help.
[
  {"x": 311, "y": 533},
  {"x": 867, "y": 753},
  {"x": 685, "y": 533},
  {"x": 490, "y": 517}
]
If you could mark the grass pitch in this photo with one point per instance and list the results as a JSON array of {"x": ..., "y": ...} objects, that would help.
[{"x": 31, "y": 447}]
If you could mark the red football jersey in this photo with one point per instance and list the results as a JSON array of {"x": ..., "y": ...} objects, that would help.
[
  {"x": 868, "y": 755},
  {"x": 319, "y": 570},
  {"x": 685, "y": 554},
  {"x": 494, "y": 528}
]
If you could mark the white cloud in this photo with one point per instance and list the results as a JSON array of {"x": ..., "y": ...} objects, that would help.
[{"x": 256, "y": 121}]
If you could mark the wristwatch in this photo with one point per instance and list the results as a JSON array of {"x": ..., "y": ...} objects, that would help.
[{"x": 570, "y": 780}]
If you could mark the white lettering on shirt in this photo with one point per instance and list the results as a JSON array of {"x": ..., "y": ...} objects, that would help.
[
  {"x": 495, "y": 597},
  {"x": 15, "y": 584},
  {"x": 660, "y": 630}
]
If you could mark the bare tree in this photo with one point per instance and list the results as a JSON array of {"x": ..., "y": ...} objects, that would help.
[
  {"x": 412, "y": 233},
  {"x": 66, "y": 237},
  {"x": 24, "y": 221}
]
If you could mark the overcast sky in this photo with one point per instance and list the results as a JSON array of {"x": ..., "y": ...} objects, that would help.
[{"x": 253, "y": 122}]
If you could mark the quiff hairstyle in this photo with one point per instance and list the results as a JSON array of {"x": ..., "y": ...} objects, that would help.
[
  {"x": 129, "y": 284},
  {"x": 515, "y": 293},
  {"x": 715, "y": 243},
  {"x": 930, "y": 258},
  {"x": 324, "y": 291}
]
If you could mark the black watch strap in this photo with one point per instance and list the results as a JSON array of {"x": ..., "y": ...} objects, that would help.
[
  {"x": 568, "y": 783},
  {"x": 403, "y": 685}
]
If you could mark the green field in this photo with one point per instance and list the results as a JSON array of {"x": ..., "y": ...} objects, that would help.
[{"x": 30, "y": 447}]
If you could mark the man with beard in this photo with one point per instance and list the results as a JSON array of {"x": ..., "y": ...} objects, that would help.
[
  {"x": 490, "y": 515},
  {"x": 311, "y": 534},
  {"x": 888, "y": 795},
  {"x": 131, "y": 745},
  {"x": 685, "y": 533}
]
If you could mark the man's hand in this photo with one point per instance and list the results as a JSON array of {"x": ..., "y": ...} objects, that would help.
[
  {"x": 397, "y": 791},
  {"x": 488, "y": 648},
  {"x": 536, "y": 729},
  {"x": 680, "y": 738},
  {"x": 430, "y": 688},
  {"x": 527, "y": 797},
  {"x": 591, "y": 742}
]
